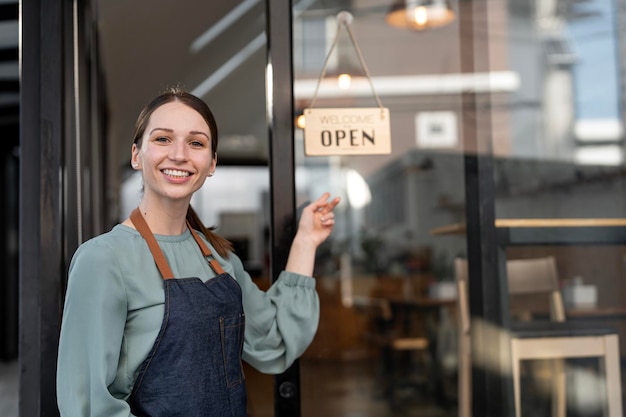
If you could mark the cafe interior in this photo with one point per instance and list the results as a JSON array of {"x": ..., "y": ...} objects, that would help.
[{"x": 478, "y": 261}]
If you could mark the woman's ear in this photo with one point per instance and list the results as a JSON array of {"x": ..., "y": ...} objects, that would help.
[
  {"x": 134, "y": 157},
  {"x": 213, "y": 165}
]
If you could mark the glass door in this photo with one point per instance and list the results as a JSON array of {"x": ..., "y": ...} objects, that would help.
[{"x": 387, "y": 341}]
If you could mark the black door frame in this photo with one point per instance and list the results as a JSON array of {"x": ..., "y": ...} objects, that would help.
[
  {"x": 59, "y": 87},
  {"x": 280, "y": 105},
  {"x": 42, "y": 132}
]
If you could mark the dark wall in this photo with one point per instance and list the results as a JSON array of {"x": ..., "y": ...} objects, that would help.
[{"x": 9, "y": 189}]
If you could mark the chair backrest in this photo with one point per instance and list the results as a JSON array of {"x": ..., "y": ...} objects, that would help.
[{"x": 525, "y": 276}]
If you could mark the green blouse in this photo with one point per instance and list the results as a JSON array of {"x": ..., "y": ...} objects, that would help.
[{"x": 114, "y": 308}]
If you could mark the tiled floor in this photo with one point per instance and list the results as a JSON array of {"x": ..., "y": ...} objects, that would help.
[
  {"x": 338, "y": 389},
  {"x": 8, "y": 389},
  {"x": 344, "y": 389},
  {"x": 352, "y": 389}
]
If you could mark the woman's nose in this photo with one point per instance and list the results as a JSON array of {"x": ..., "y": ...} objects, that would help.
[{"x": 178, "y": 151}]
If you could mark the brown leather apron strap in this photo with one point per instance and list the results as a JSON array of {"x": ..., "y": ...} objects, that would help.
[
  {"x": 157, "y": 253},
  {"x": 142, "y": 227},
  {"x": 215, "y": 266}
]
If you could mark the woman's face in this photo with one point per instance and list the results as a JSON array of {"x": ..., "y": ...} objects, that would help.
[{"x": 175, "y": 155}]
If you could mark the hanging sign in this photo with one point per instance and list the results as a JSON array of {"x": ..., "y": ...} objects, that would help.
[{"x": 347, "y": 131}]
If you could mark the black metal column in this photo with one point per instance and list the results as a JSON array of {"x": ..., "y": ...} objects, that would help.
[
  {"x": 491, "y": 388},
  {"x": 44, "y": 58},
  {"x": 8, "y": 246},
  {"x": 280, "y": 109},
  {"x": 62, "y": 115},
  {"x": 9, "y": 123}
]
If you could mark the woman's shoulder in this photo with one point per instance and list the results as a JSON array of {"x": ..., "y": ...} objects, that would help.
[
  {"x": 102, "y": 262},
  {"x": 110, "y": 245}
]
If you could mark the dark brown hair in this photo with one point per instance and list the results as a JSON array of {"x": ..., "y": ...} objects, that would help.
[{"x": 221, "y": 245}]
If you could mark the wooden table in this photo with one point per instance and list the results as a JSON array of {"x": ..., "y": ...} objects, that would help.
[
  {"x": 603, "y": 313},
  {"x": 421, "y": 301},
  {"x": 550, "y": 231}
]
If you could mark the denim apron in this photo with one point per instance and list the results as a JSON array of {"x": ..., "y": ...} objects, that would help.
[{"x": 194, "y": 368}]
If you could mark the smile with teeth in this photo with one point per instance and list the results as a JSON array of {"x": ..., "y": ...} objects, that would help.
[{"x": 176, "y": 173}]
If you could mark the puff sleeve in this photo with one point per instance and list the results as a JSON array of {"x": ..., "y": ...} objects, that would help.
[{"x": 280, "y": 322}]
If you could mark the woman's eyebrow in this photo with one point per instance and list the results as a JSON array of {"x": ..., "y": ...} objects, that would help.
[
  {"x": 197, "y": 132},
  {"x": 161, "y": 128},
  {"x": 192, "y": 132}
]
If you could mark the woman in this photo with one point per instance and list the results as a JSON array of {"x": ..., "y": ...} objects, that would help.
[{"x": 159, "y": 312}]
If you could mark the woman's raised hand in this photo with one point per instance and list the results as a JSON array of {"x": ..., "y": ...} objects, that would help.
[{"x": 317, "y": 219}]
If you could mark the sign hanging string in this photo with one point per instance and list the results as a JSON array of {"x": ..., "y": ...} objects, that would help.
[{"x": 344, "y": 19}]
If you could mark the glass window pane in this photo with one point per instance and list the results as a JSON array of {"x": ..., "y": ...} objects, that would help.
[{"x": 386, "y": 343}]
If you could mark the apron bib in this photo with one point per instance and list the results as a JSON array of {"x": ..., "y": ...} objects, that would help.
[{"x": 194, "y": 367}]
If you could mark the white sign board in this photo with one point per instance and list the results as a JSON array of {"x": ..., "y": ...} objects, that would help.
[
  {"x": 347, "y": 131},
  {"x": 436, "y": 129}
]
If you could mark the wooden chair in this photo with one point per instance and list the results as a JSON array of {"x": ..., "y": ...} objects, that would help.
[{"x": 548, "y": 339}]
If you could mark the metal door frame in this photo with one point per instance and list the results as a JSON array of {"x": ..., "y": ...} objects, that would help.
[
  {"x": 59, "y": 87},
  {"x": 280, "y": 107}
]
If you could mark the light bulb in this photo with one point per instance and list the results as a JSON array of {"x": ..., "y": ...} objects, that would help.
[
  {"x": 344, "y": 81},
  {"x": 421, "y": 16},
  {"x": 300, "y": 121}
]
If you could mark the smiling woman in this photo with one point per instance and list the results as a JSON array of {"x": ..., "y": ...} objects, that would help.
[{"x": 161, "y": 295}]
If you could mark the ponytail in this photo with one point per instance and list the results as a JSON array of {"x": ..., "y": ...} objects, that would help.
[{"x": 222, "y": 246}]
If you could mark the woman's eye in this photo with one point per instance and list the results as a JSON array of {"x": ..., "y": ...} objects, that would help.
[
  {"x": 197, "y": 144},
  {"x": 161, "y": 139}
]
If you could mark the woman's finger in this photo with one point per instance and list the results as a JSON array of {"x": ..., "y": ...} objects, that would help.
[{"x": 329, "y": 206}]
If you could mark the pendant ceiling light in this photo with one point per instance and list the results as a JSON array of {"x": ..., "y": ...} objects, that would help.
[{"x": 420, "y": 14}]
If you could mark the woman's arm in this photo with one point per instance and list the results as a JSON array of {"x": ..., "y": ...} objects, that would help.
[
  {"x": 91, "y": 336},
  {"x": 281, "y": 322}
]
